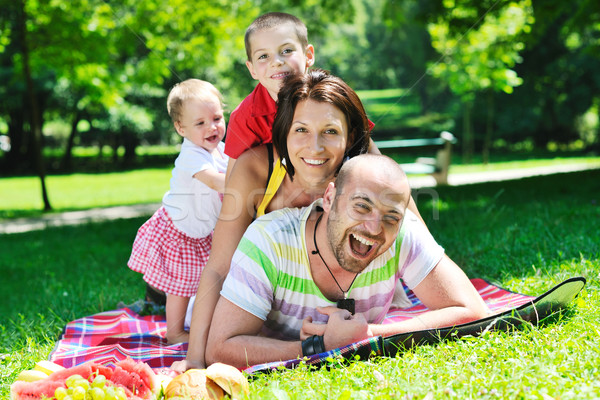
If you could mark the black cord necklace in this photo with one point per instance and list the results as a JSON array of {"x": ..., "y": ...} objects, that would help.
[{"x": 345, "y": 303}]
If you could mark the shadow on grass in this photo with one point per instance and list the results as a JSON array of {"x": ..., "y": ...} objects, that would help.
[
  {"x": 516, "y": 229},
  {"x": 55, "y": 275}
]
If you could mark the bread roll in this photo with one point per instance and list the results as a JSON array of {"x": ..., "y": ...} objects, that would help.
[
  {"x": 193, "y": 384},
  {"x": 229, "y": 378}
]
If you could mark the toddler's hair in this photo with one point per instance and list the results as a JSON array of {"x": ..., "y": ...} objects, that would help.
[
  {"x": 271, "y": 20},
  {"x": 190, "y": 89}
]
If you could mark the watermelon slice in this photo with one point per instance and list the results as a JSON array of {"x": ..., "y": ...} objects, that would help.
[
  {"x": 136, "y": 377},
  {"x": 89, "y": 371},
  {"x": 21, "y": 390}
]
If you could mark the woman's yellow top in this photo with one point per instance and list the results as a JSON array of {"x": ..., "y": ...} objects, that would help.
[{"x": 273, "y": 185}]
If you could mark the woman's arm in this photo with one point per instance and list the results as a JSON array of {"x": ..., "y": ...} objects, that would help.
[{"x": 244, "y": 189}]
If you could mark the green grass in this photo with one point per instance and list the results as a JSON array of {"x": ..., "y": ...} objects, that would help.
[
  {"x": 525, "y": 235},
  {"x": 83, "y": 191},
  {"x": 397, "y": 110},
  {"x": 53, "y": 276},
  {"x": 520, "y": 164},
  {"x": 22, "y": 195},
  {"x": 367, "y": 96}
]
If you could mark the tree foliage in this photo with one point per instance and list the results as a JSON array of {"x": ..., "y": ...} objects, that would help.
[
  {"x": 482, "y": 57},
  {"x": 527, "y": 66},
  {"x": 560, "y": 82}
]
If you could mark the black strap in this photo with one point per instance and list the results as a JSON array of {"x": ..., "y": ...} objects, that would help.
[
  {"x": 271, "y": 162},
  {"x": 313, "y": 345}
]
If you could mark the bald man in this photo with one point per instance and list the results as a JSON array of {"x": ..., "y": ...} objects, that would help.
[{"x": 303, "y": 281}]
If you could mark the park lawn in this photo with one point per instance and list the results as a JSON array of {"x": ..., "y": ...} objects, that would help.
[
  {"x": 83, "y": 191},
  {"x": 592, "y": 162},
  {"x": 22, "y": 195},
  {"x": 525, "y": 235}
]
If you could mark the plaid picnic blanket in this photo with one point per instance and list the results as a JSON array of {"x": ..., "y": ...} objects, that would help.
[{"x": 110, "y": 336}]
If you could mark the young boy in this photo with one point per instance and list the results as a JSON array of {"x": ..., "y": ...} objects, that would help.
[{"x": 276, "y": 46}]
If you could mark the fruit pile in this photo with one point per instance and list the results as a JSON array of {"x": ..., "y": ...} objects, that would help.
[
  {"x": 129, "y": 380},
  {"x": 79, "y": 388}
]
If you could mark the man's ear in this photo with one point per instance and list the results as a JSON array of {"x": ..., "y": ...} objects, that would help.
[
  {"x": 310, "y": 55},
  {"x": 329, "y": 197},
  {"x": 250, "y": 67}
]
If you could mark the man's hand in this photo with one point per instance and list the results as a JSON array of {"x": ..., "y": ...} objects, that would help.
[
  {"x": 341, "y": 329},
  {"x": 183, "y": 365}
]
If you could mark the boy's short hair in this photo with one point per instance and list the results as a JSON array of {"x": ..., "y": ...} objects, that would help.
[
  {"x": 189, "y": 89},
  {"x": 271, "y": 20}
]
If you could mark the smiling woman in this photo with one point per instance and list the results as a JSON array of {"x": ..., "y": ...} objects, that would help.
[
  {"x": 319, "y": 98},
  {"x": 316, "y": 142},
  {"x": 320, "y": 121}
]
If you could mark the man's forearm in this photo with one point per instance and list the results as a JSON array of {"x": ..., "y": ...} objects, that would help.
[
  {"x": 244, "y": 351},
  {"x": 441, "y": 318}
]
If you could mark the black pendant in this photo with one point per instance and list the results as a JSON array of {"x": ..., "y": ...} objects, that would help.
[{"x": 346, "y": 304}]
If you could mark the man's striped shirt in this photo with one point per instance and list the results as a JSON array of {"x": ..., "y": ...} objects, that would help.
[{"x": 270, "y": 274}]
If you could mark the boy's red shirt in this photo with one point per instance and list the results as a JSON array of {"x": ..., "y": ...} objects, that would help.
[{"x": 251, "y": 123}]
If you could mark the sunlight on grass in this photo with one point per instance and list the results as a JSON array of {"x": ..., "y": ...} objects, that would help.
[
  {"x": 83, "y": 191},
  {"x": 367, "y": 95},
  {"x": 496, "y": 166},
  {"x": 22, "y": 195}
]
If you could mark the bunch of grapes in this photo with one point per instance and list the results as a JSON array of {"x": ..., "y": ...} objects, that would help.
[{"x": 79, "y": 388}]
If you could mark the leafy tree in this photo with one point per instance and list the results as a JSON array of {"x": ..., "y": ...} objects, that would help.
[
  {"x": 35, "y": 118},
  {"x": 105, "y": 54},
  {"x": 480, "y": 58},
  {"x": 559, "y": 70}
]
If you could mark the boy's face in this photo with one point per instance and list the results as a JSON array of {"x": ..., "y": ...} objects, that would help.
[
  {"x": 276, "y": 53},
  {"x": 202, "y": 122}
]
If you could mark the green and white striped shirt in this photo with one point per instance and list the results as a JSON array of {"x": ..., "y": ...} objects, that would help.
[{"x": 270, "y": 274}]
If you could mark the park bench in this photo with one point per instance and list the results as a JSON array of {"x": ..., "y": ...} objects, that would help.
[{"x": 437, "y": 166}]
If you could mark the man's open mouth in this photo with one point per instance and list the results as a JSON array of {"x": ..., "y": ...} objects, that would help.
[{"x": 360, "y": 245}]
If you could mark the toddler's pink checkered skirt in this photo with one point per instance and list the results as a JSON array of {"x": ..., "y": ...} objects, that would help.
[{"x": 169, "y": 259}]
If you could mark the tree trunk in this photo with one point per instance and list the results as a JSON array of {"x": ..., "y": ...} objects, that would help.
[
  {"x": 468, "y": 143},
  {"x": 116, "y": 143},
  {"x": 423, "y": 95},
  {"x": 130, "y": 142},
  {"x": 34, "y": 114},
  {"x": 67, "y": 162},
  {"x": 16, "y": 159},
  {"x": 489, "y": 128}
]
